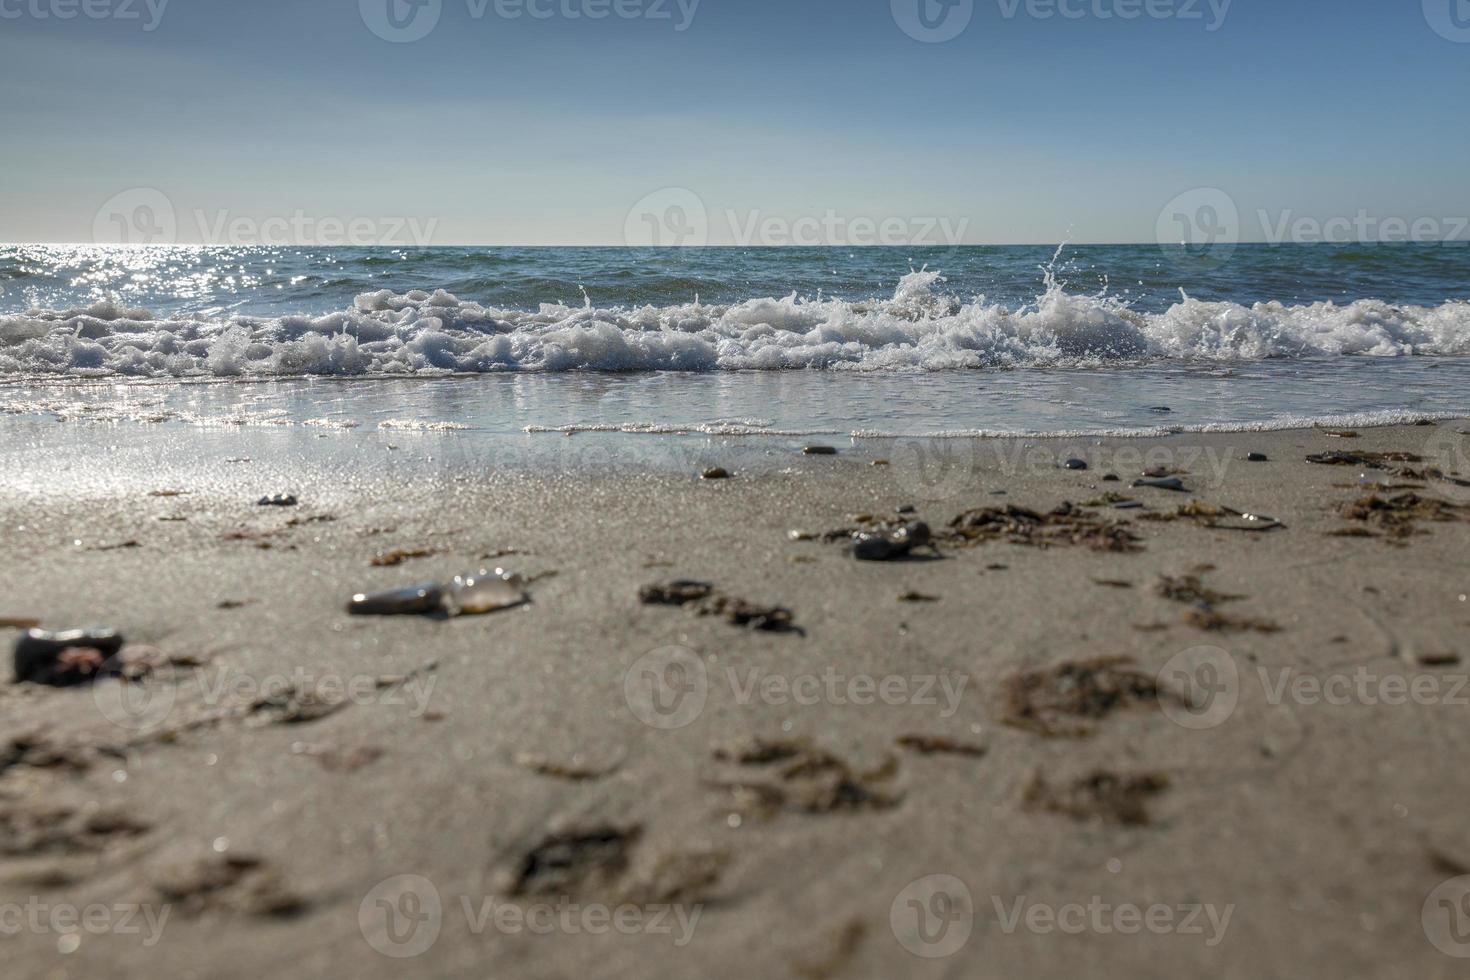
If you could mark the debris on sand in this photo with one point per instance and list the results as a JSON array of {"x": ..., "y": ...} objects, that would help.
[
  {"x": 917, "y": 597},
  {"x": 277, "y": 500},
  {"x": 296, "y": 705},
  {"x": 1112, "y": 583},
  {"x": 574, "y": 861},
  {"x": 678, "y": 877},
  {"x": 1213, "y": 621},
  {"x": 33, "y": 828},
  {"x": 677, "y": 593},
  {"x": 1191, "y": 589},
  {"x": 939, "y": 745},
  {"x": 1106, "y": 796},
  {"x": 1257, "y": 458},
  {"x": 1217, "y": 517},
  {"x": 1162, "y": 483},
  {"x": 337, "y": 760},
  {"x": 1383, "y": 461},
  {"x": 1342, "y": 434},
  {"x": 1397, "y": 517},
  {"x": 471, "y": 594},
  {"x": 413, "y": 600},
  {"x": 485, "y": 591},
  {"x": 844, "y": 951},
  {"x": 1042, "y": 701},
  {"x": 19, "y": 622},
  {"x": 118, "y": 546},
  {"x": 1373, "y": 461},
  {"x": 819, "y": 451},
  {"x": 236, "y": 882},
  {"x": 575, "y": 771},
  {"x": 703, "y": 599},
  {"x": 888, "y": 543},
  {"x": 388, "y": 559},
  {"x": 1075, "y": 464},
  {"x": 313, "y": 519},
  {"x": 1065, "y": 525},
  {"x": 68, "y": 658},
  {"x": 715, "y": 473},
  {"x": 233, "y": 603},
  {"x": 798, "y": 777}
]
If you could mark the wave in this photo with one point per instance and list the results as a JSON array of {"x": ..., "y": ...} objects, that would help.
[{"x": 919, "y": 328}]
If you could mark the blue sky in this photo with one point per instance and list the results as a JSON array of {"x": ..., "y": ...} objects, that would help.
[{"x": 547, "y": 130}]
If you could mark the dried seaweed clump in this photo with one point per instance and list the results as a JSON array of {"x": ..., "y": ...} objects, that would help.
[
  {"x": 1216, "y": 517},
  {"x": 1106, "y": 796},
  {"x": 237, "y": 882},
  {"x": 1191, "y": 590},
  {"x": 1040, "y": 700},
  {"x": 1397, "y": 517},
  {"x": 1066, "y": 525},
  {"x": 572, "y": 861},
  {"x": 703, "y": 599},
  {"x": 799, "y": 777},
  {"x": 29, "y": 829}
]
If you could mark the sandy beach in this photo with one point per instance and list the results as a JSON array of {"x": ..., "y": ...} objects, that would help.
[{"x": 1155, "y": 740}]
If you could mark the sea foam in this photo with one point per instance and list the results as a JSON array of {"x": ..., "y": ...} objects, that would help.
[{"x": 920, "y": 328}]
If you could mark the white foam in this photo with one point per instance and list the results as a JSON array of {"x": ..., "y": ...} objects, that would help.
[{"x": 920, "y": 328}]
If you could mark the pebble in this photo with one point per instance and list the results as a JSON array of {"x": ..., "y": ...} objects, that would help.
[
  {"x": 820, "y": 451},
  {"x": 715, "y": 473},
  {"x": 888, "y": 545},
  {"x": 64, "y": 659},
  {"x": 1075, "y": 464},
  {"x": 1257, "y": 458},
  {"x": 1111, "y": 478},
  {"x": 906, "y": 509},
  {"x": 278, "y": 500}
]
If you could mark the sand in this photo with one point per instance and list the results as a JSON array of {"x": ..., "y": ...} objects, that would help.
[{"x": 210, "y": 825}]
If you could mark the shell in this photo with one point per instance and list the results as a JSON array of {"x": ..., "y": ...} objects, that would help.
[{"x": 484, "y": 591}]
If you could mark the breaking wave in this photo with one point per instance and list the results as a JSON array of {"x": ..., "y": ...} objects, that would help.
[{"x": 920, "y": 328}]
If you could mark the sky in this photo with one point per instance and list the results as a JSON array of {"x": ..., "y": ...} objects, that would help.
[{"x": 732, "y": 121}]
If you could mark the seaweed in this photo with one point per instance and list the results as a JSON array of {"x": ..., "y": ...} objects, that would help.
[
  {"x": 1105, "y": 796},
  {"x": 1038, "y": 700},
  {"x": 573, "y": 860}
]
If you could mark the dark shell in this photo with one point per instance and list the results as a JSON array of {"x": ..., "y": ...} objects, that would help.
[
  {"x": 415, "y": 600},
  {"x": 65, "y": 659}
]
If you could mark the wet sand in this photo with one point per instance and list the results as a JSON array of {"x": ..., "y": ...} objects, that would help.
[{"x": 741, "y": 802}]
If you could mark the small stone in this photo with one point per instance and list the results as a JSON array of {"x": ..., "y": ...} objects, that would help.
[
  {"x": 1127, "y": 505},
  {"x": 905, "y": 509},
  {"x": 278, "y": 500},
  {"x": 1161, "y": 409},
  {"x": 65, "y": 659},
  {"x": 888, "y": 545},
  {"x": 1075, "y": 464},
  {"x": 820, "y": 451},
  {"x": 1257, "y": 458},
  {"x": 415, "y": 600},
  {"x": 1111, "y": 478},
  {"x": 715, "y": 473}
]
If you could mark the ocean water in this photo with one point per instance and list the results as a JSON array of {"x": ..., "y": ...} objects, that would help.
[{"x": 861, "y": 343}]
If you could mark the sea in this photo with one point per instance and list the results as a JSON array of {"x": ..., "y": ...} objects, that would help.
[{"x": 841, "y": 344}]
